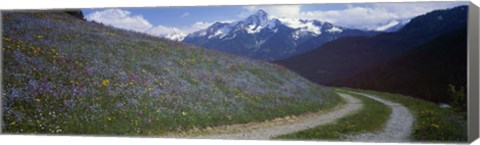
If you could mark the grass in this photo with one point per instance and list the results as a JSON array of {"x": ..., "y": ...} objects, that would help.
[
  {"x": 432, "y": 123},
  {"x": 371, "y": 117},
  {"x": 62, "y": 75}
]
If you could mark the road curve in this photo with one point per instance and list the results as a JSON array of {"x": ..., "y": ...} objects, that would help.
[
  {"x": 397, "y": 129},
  {"x": 264, "y": 133}
]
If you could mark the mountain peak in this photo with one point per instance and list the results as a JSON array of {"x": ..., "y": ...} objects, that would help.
[
  {"x": 259, "y": 16},
  {"x": 261, "y": 12},
  {"x": 258, "y": 19},
  {"x": 445, "y": 20}
]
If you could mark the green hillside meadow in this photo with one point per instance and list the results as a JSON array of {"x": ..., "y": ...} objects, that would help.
[{"x": 64, "y": 75}]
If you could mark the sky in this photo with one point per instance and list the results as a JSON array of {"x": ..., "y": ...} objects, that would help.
[{"x": 160, "y": 21}]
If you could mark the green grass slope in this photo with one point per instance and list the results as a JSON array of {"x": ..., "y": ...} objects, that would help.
[{"x": 64, "y": 75}]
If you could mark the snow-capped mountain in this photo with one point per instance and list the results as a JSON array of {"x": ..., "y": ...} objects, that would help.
[
  {"x": 263, "y": 36},
  {"x": 252, "y": 25}
]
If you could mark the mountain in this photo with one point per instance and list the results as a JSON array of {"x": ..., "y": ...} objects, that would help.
[
  {"x": 262, "y": 36},
  {"x": 425, "y": 71},
  {"x": 64, "y": 75},
  {"x": 346, "y": 57}
]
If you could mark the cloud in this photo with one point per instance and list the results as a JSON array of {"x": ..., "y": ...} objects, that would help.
[
  {"x": 368, "y": 16},
  {"x": 406, "y": 10},
  {"x": 356, "y": 17},
  {"x": 161, "y": 30},
  {"x": 371, "y": 16},
  {"x": 124, "y": 19},
  {"x": 197, "y": 26},
  {"x": 175, "y": 33},
  {"x": 120, "y": 19},
  {"x": 184, "y": 15}
]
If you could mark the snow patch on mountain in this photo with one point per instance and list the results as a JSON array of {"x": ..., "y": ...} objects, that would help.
[
  {"x": 202, "y": 33},
  {"x": 222, "y": 32},
  {"x": 385, "y": 27},
  {"x": 334, "y": 30},
  {"x": 392, "y": 25},
  {"x": 252, "y": 29},
  {"x": 228, "y": 38},
  {"x": 302, "y": 25}
]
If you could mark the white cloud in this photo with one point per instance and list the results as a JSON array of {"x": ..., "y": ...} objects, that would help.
[
  {"x": 125, "y": 20},
  {"x": 177, "y": 33},
  {"x": 362, "y": 17},
  {"x": 120, "y": 19},
  {"x": 406, "y": 10},
  {"x": 161, "y": 30},
  {"x": 168, "y": 32},
  {"x": 376, "y": 14},
  {"x": 357, "y": 17},
  {"x": 184, "y": 15},
  {"x": 197, "y": 26}
]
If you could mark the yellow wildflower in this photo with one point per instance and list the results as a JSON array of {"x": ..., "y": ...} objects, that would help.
[
  {"x": 38, "y": 100},
  {"x": 13, "y": 123},
  {"x": 105, "y": 82},
  {"x": 184, "y": 113},
  {"x": 39, "y": 36},
  {"x": 6, "y": 39},
  {"x": 435, "y": 125}
]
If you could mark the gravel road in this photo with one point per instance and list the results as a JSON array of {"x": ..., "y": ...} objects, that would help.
[
  {"x": 263, "y": 133},
  {"x": 397, "y": 129}
]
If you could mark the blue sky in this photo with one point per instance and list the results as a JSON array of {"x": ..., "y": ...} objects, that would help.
[
  {"x": 165, "y": 20},
  {"x": 180, "y": 16}
]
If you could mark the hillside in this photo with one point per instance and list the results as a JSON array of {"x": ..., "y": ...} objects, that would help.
[
  {"x": 65, "y": 75},
  {"x": 425, "y": 71},
  {"x": 345, "y": 57}
]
